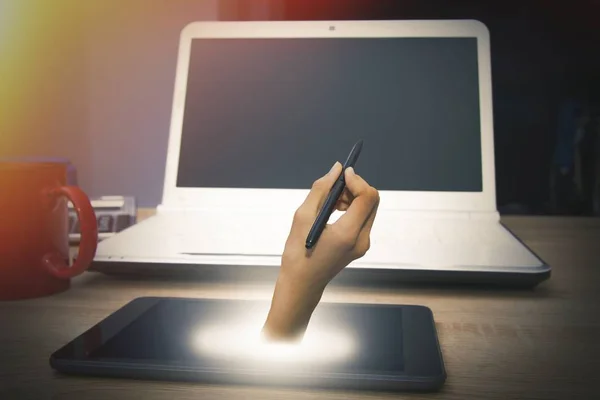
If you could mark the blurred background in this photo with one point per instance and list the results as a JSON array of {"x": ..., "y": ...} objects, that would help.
[{"x": 92, "y": 81}]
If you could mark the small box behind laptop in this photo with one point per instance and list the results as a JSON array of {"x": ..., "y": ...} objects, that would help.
[{"x": 113, "y": 213}]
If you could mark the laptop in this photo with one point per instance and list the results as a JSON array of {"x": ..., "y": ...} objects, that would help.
[{"x": 262, "y": 109}]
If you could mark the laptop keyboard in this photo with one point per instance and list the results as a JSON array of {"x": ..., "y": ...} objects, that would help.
[
  {"x": 447, "y": 244},
  {"x": 408, "y": 241},
  {"x": 416, "y": 234},
  {"x": 236, "y": 239},
  {"x": 430, "y": 233}
]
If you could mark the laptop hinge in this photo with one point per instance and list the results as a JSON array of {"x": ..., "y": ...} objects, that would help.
[
  {"x": 470, "y": 215},
  {"x": 442, "y": 215},
  {"x": 161, "y": 208},
  {"x": 484, "y": 215}
]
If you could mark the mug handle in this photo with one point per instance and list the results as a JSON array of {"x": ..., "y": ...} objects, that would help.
[{"x": 89, "y": 235}]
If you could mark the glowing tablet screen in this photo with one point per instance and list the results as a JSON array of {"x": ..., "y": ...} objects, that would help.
[{"x": 218, "y": 334}]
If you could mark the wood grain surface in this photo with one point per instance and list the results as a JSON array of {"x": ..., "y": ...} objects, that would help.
[{"x": 497, "y": 343}]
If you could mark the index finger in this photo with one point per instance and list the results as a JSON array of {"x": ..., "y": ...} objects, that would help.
[
  {"x": 320, "y": 189},
  {"x": 365, "y": 200}
]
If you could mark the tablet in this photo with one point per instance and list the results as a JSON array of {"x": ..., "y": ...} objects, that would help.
[{"x": 346, "y": 346}]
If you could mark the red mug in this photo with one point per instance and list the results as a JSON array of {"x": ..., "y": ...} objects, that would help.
[{"x": 34, "y": 230}]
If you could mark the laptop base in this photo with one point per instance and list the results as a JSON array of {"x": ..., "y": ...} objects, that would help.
[
  {"x": 356, "y": 276},
  {"x": 425, "y": 114}
]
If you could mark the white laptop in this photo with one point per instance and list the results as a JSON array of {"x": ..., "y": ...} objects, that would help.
[{"x": 262, "y": 109}]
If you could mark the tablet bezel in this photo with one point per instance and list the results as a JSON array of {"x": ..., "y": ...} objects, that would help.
[{"x": 423, "y": 362}]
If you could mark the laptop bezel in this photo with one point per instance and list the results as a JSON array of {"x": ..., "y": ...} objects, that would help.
[{"x": 273, "y": 199}]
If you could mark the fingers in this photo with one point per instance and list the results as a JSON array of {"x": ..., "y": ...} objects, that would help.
[
  {"x": 341, "y": 206},
  {"x": 320, "y": 189},
  {"x": 344, "y": 201},
  {"x": 369, "y": 223},
  {"x": 362, "y": 210},
  {"x": 364, "y": 241},
  {"x": 355, "y": 184},
  {"x": 346, "y": 196}
]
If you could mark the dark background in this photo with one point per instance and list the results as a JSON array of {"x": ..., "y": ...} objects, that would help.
[
  {"x": 98, "y": 78},
  {"x": 543, "y": 53}
]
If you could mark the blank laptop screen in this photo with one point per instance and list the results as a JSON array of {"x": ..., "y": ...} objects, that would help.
[{"x": 277, "y": 113}]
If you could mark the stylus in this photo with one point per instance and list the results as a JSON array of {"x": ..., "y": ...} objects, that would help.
[{"x": 332, "y": 198}]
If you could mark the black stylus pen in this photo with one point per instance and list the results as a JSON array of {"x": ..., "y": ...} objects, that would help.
[{"x": 332, "y": 198}]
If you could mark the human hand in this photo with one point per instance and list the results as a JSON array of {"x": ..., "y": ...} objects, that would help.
[
  {"x": 341, "y": 242},
  {"x": 305, "y": 273}
]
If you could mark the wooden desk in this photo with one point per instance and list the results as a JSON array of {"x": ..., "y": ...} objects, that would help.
[{"x": 497, "y": 344}]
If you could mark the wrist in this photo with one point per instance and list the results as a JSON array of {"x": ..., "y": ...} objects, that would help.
[
  {"x": 296, "y": 282},
  {"x": 294, "y": 301}
]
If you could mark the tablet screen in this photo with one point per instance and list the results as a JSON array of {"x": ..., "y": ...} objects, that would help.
[{"x": 226, "y": 334}]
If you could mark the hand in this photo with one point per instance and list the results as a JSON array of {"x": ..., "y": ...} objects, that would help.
[
  {"x": 340, "y": 243},
  {"x": 305, "y": 273}
]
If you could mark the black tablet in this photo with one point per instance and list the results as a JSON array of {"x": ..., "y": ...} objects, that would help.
[{"x": 347, "y": 346}]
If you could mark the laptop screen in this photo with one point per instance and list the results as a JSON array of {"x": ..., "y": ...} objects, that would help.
[{"x": 277, "y": 113}]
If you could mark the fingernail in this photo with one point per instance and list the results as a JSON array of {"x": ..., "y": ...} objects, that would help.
[
  {"x": 350, "y": 170},
  {"x": 333, "y": 168}
]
